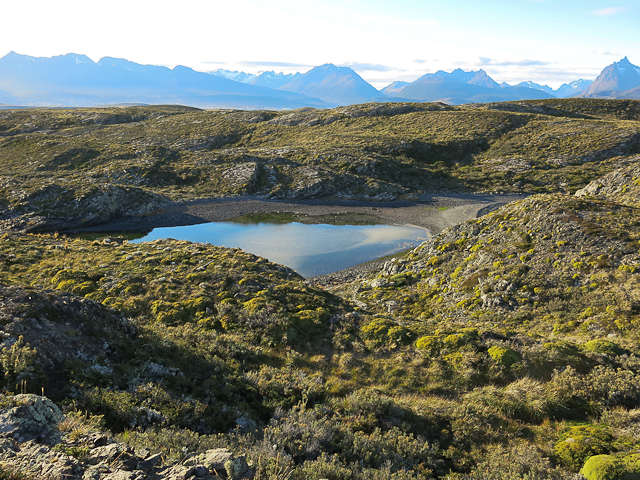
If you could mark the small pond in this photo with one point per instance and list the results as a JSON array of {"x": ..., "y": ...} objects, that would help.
[{"x": 310, "y": 249}]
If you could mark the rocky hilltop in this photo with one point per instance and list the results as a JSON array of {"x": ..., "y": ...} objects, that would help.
[
  {"x": 73, "y": 168},
  {"x": 504, "y": 347}
]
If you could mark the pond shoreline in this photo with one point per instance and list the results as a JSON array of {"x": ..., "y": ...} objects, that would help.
[{"x": 434, "y": 213}]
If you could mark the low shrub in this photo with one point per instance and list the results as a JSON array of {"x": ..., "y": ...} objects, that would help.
[
  {"x": 503, "y": 356},
  {"x": 383, "y": 331},
  {"x": 303, "y": 433},
  {"x": 518, "y": 462},
  {"x": 602, "y": 387},
  {"x": 429, "y": 343},
  {"x": 525, "y": 399},
  {"x": 603, "y": 346}
]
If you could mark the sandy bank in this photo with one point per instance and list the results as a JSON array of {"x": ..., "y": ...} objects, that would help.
[{"x": 432, "y": 213}]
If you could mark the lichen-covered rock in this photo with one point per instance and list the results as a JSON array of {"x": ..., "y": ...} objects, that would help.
[
  {"x": 62, "y": 467},
  {"x": 125, "y": 475},
  {"x": 222, "y": 462},
  {"x": 621, "y": 185},
  {"x": 30, "y": 416},
  {"x": 54, "y": 207},
  {"x": 117, "y": 455},
  {"x": 242, "y": 177}
]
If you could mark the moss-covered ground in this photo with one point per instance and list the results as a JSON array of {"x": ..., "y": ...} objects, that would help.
[{"x": 504, "y": 348}]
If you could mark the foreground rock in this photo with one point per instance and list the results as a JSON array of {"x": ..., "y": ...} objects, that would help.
[
  {"x": 46, "y": 331},
  {"x": 37, "y": 440}
]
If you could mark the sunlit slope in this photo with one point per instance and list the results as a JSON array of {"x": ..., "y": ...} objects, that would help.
[
  {"x": 508, "y": 343},
  {"x": 89, "y": 165}
]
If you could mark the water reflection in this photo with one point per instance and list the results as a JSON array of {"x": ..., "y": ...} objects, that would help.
[{"x": 308, "y": 249}]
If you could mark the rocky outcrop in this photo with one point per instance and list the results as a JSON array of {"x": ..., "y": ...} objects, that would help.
[
  {"x": 622, "y": 185},
  {"x": 243, "y": 176},
  {"x": 56, "y": 208},
  {"x": 390, "y": 109},
  {"x": 29, "y": 417},
  {"x": 221, "y": 462},
  {"x": 306, "y": 117},
  {"x": 45, "y": 331},
  {"x": 36, "y": 440}
]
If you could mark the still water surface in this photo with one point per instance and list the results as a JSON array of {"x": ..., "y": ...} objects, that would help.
[{"x": 308, "y": 249}]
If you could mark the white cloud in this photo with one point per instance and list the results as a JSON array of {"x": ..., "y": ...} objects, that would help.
[
  {"x": 602, "y": 51},
  {"x": 395, "y": 21},
  {"x": 605, "y": 12},
  {"x": 518, "y": 63}
]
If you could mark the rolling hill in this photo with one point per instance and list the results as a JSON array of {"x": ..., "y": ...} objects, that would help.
[{"x": 505, "y": 347}]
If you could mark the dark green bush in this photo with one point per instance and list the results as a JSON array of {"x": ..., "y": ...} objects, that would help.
[
  {"x": 602, "y": 387},
  {"x": 383, "y": 331},
  {"x": 517, "y": 462},
  {"x": 303, "y": 434}
]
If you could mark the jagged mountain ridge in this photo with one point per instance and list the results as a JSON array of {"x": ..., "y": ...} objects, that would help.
[
  {"x": 393, "y": 88},
  {"x": 268, "y": 79},
  {"x": 340, "y": 85},
  {"x": 537, "y": 86},
  {"x": 619, "y": 80},
  {"x": 453, "y": 89},
  {"x": 479, "y": 78},
  {"x": 566, "y": 90},
  {"x": 573, "y": 89},
  {"x": 76, "y": 80},
  {"x": 234, "y": 75}
]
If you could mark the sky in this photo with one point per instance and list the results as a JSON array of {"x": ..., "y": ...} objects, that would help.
[{"x": 546, "y": 41}]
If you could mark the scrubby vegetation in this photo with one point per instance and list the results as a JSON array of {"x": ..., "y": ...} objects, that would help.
[
  {"x": 504, "y": 348},
  {"x": 85, "y": 166}
]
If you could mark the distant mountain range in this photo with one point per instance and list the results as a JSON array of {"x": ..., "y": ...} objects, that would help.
[
  {"x": 263, "y": 79},
  {"x": 338, "y": 85},
  {"x": 564, "y": 91},
  {"x": 463, "y": 87},
  {"x": 76, "y": 80}
]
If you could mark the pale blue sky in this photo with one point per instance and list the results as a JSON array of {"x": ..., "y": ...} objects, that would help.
[{"x": 547, "y": 41}]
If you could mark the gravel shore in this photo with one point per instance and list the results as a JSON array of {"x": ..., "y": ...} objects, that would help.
[{"x": 435, "y": 213}]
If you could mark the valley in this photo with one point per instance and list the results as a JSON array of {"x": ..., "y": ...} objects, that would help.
[{"x": 505, "y": 347}]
